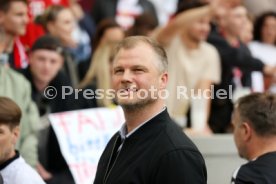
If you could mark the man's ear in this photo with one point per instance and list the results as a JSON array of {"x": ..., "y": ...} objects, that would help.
[
  {"x": 164, "y": 80},
  {"x": 246, "y": 131},
  {"x": 15, "y": 133}
]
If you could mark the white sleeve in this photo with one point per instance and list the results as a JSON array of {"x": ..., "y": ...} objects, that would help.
[{"x": 234, "y": 176}]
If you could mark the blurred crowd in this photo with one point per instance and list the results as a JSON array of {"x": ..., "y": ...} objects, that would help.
[{"x": 226, "y": 46}]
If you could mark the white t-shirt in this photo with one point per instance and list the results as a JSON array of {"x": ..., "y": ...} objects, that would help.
[
  {"x": 266, "y": 53},
  {"x": 186, "y": 69},
  {"x": 19, "y": 172}
]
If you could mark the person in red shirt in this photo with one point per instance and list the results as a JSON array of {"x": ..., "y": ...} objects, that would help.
[{"x": 13, "y": 20}]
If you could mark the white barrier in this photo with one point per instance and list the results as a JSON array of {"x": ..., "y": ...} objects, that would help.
[{"x": 221, "y": 157}]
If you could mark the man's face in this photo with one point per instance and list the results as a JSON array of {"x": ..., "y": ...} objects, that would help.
[
  {"x": 246, "y": 35},
  {"x": 64, "y": 23},
  {"x": 45, "y": 64},
  {"x": 269, "y": 30},
  {"x": 8, "y": 138},
  {"x": 135, "y": 71},
  {"x": 236, "y": 20},
  {"x": 238, "y": 134},
  {"x": 199, "y": 30},
  {"x": 15, "y": 19}
]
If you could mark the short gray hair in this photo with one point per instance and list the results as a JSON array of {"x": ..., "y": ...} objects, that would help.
[{"x": 260, "y": 110}]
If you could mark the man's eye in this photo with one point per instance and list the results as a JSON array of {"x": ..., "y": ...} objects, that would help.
[
  {"x": 118, "y": 71},
  {"x": 140, "y": 70}
]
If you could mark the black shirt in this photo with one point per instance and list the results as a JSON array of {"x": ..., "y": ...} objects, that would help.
[
  {"x": 156, "y": 153},
  {"x": 259, "y": 171}
]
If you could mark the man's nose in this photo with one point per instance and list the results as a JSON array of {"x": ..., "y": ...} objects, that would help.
[
  {"x": 47, "y": 65},
  {"x": 127, "y": 76}
]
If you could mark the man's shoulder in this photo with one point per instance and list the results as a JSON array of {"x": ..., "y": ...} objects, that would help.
[
  {"x": 207, "y": 45},
  {"x": 15, "y": 76},
  {"x": 19, "y": 171},
  {"x": 12, "y": 79},
  {"x": 177, "y": 139},
  {"x": 260, "y": 168},
  {"x": 208, "y": 48}
]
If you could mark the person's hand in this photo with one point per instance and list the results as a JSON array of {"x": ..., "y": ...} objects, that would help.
[
  {"x": 68, "y": 40},
  {"x": 45, "y": 175},
  {"x": 77, "y": 11},
  {"x": 269, "y": 70}
]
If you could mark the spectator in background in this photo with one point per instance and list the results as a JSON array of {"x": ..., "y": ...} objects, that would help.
[
  {"x": 233, "y": 25},
  {"x": 13, "y": 20},
  {"x": 13, "y": 167},
  {"x": 264, "y": 48},
  {"x": 232, "y": 56},
  {"x": 264, "y": 28},
  {"x": 194, "y": 64},
  {"x": 36, "y": 8},
  {"x": 59, "y": 22},
  {"x": 16, "y": 87},
  {"x": 254, "y": 122},
  {"x": 108, "y": 31},
  {"x": 86, "y": 24},
  {"x": 46, "y": 60},
  {"x": 144, "y": 25},
  {"x": 98, "y": 76},
  {"x": 246, "y": 34},
  {"x": 124, "y": 11}
]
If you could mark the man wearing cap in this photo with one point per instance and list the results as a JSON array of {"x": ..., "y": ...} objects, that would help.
[
  {"x": 44, "y": 72},
  {"x": 46, "y": 62}
]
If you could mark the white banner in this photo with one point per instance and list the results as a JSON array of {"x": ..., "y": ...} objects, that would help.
[{"x": 83, "y": 135}]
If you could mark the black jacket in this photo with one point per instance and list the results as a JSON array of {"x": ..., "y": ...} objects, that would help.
[
  {"x": 157, "y": 153},
  {"x": 259, "y": 171},
  {"x": 230, "y": 57}
]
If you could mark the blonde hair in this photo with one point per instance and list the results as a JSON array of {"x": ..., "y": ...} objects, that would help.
[
  {"x": 99, "y": 70},
  {"x": 132, "y": 41}
]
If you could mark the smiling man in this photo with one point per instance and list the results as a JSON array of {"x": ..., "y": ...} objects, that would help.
[{"x": 150, "y": 148}]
